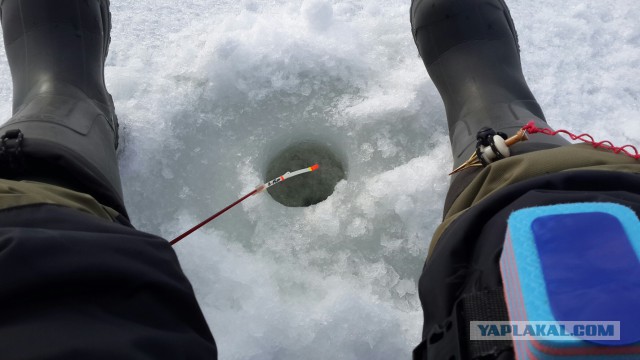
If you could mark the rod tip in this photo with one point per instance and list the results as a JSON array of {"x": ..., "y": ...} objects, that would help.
[{"x": 315, "y": 167}]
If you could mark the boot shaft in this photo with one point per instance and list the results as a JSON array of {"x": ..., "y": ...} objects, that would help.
[
  {"x": 56, "y": 41},
  {"x": 470, "y": 49}
]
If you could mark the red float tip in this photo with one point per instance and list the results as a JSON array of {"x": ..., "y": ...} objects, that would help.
[{"x": 315, "y": 167}]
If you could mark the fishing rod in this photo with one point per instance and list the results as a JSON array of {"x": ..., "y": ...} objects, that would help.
[{"x": 260, "y": 188}]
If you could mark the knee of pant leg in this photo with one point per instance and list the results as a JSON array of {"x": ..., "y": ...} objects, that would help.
[{"x": 65, "y": 129}]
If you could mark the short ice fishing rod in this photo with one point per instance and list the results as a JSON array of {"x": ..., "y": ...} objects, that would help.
[{"x": 257, "y": 190}]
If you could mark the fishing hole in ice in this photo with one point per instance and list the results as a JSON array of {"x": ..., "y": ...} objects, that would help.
[{"x": 307, "y": 189}]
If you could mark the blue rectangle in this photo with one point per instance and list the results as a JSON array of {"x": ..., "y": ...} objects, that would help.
[{"x": 590, "y": 269}]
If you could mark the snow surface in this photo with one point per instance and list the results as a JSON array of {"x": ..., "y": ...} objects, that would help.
[{"x": 207, "y": 91}]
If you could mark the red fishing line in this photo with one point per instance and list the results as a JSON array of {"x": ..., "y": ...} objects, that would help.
[{"x": 628, "y": 150}]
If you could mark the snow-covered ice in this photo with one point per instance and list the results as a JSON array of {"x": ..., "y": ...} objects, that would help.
[{"x": 207, "y": 91}]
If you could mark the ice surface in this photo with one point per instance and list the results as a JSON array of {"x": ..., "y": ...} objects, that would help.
[
  {"x": 318, "y": 13},
  {"x": 207, "y": 91}
]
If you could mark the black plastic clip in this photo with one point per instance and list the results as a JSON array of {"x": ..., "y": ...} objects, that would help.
[
  {"x": 485, "y": 139},
  {"x": 11, "y": 150}
]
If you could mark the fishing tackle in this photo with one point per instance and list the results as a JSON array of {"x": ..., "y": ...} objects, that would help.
[{"x": 260, "y": 188}]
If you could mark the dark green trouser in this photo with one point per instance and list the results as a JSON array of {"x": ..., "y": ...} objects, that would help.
[
  {"x": 73, "y": 285},
  {"x": 530, "y": 165},
  {"x": 24, "y": 193}
]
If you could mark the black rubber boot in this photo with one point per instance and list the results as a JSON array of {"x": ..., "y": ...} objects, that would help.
[
  {"x": 470, "y": 49},
  {"x": 69, "y": 129}
]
